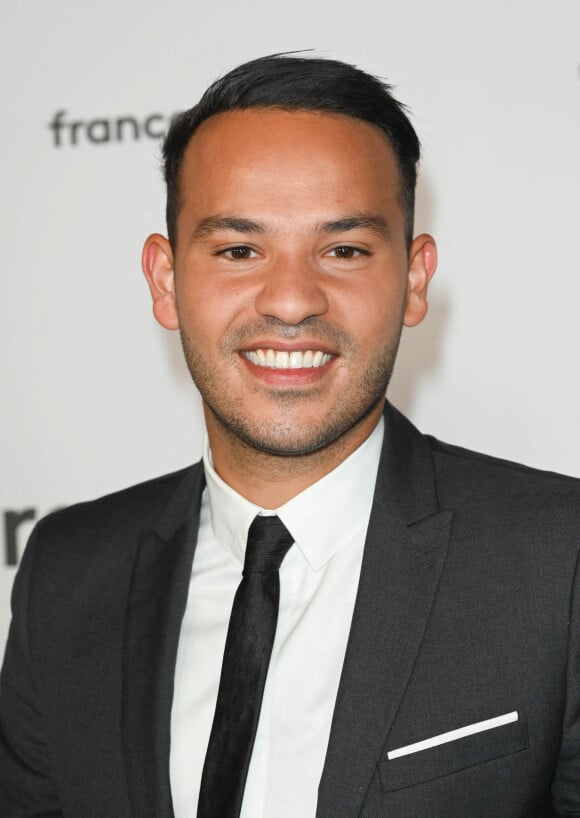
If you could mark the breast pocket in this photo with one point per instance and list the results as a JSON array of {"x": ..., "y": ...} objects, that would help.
[{"x": 455, "y": 750}]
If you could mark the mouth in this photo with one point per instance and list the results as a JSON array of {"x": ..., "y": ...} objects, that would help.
[{"x": 283, "y": 359}]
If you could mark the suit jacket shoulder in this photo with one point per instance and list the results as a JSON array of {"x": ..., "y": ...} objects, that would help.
[
  {"x": 471, "y": 474},
  {"x": 120, "y": 512}
]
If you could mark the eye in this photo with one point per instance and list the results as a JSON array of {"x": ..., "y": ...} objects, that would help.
[
  {"x": 346, "y": 252},
  {"x": 239, "y": 253}
]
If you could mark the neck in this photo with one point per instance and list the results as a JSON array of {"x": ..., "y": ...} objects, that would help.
[{"x": 270, "y": 480}]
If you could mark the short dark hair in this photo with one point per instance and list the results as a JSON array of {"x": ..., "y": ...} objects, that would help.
[{"x": 294, "y": 83}]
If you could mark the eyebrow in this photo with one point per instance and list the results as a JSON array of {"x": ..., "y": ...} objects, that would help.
[
  {"x": 213, "y": 224},
  {"x": 361, "y": 221},
  {"x": 238, "y": 224}
]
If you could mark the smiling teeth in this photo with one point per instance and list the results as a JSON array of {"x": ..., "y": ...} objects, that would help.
[{"x": 278, "y": 359}]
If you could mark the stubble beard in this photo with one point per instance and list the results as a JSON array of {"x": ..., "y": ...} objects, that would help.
[{"x": 279, "y": 437}]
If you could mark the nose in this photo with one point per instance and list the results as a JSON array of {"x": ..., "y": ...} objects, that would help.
[{"x": 291, "y": 291}]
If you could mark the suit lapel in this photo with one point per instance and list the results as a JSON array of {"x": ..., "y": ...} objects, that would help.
[
  {"x": 157, "y": 601},
  {"x": 405, "y": 550}
]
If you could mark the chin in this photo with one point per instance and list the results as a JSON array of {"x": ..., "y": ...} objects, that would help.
[{"x": 287, "y": 438}]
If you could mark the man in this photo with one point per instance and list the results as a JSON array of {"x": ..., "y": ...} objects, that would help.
[{"x": 412, "y": 646}]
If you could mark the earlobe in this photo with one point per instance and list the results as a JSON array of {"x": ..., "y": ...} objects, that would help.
[
  {"x": 157, "y": 264},
  {"x": 422, "y": 266}
]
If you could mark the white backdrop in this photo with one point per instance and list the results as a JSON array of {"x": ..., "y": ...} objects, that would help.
[{"x": 93, "y": 393}]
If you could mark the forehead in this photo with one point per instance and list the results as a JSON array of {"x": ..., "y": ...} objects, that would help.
[
  {"x": 276, "y": 123},
  {"x": 270, "y": 158},
  {"x": 263, "y": 134}
]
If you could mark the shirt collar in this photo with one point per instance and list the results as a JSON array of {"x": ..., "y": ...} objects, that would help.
[{"x": 321, "y": 518}]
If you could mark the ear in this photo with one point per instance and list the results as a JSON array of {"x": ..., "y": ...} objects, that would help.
[
  {"x": 157, "y": 263},
  {"x": 422, "y": 266}
]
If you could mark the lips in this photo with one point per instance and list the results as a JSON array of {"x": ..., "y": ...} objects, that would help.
[{"x": 282, "y": 359}]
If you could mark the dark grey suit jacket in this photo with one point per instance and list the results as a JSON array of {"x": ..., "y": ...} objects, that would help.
[{"x": 468, "y": 608}]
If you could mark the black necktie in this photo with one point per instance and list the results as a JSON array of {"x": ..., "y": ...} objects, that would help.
[{"x": 244, "y": 669}]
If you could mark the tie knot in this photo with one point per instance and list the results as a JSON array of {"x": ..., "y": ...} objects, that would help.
[{"x": 268, "y": 544}]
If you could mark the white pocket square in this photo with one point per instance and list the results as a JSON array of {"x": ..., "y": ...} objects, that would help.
[{"x": 453, "y": 735}]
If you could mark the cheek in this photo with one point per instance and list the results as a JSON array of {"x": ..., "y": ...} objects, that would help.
[
  {"x": 206, "y": 311},
  {"x": 196, "y": 314},
  {"x": 376, "y": 318}
]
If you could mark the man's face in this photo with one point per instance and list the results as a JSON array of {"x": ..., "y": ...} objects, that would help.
[{"x": 290, "y": 278}]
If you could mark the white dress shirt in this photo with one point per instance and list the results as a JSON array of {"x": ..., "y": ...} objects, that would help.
[{"x": 318, "y": 585}]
